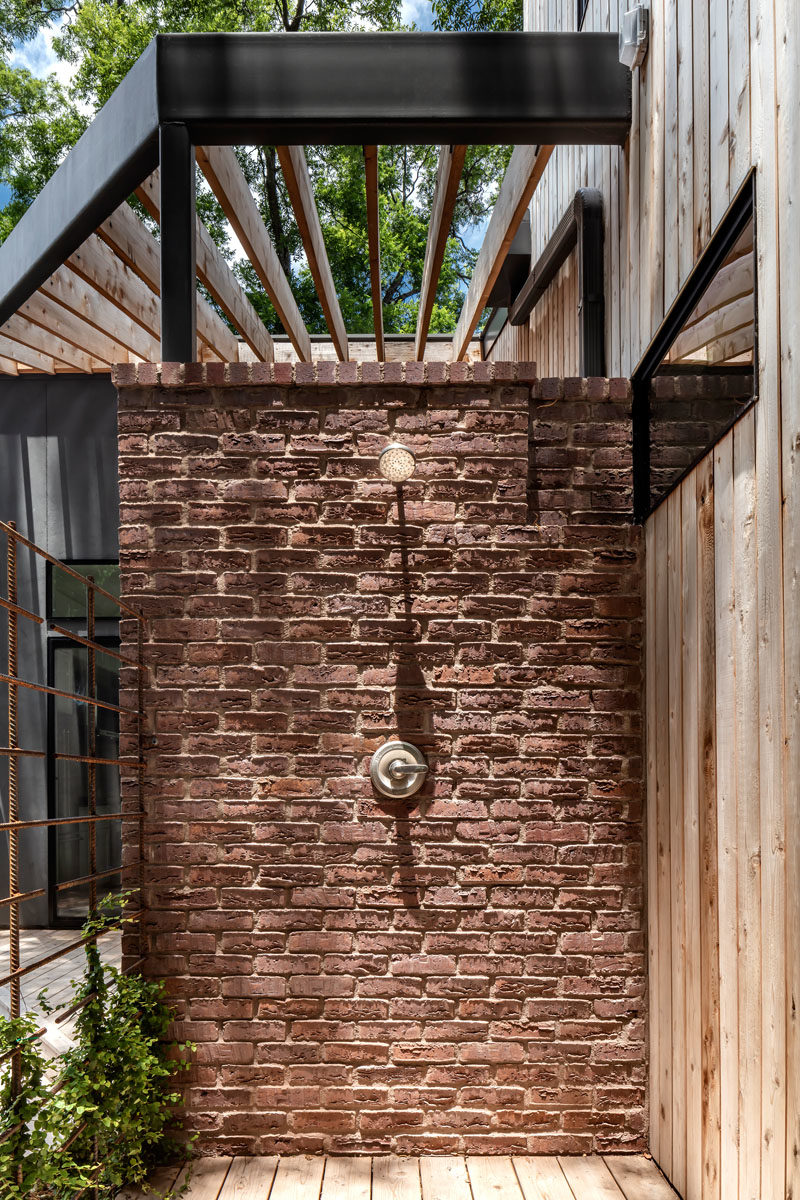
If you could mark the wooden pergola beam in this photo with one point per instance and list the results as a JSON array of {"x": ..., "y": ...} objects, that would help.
[
  {"x": 8, "y": 366},
  {"x": 733, "y": 281},
  {"x": 374, "y": 241},
  {"x": 76, "y": 296},
  {"x": 448, "y": 177},
  {"x": 42, "y": 310},
  {"x": 221, "y": 168},
  {"x": 28, "y": 357},
  {"x": 718, "y": 324},
  {"x": 733, "y": 345},
  {"x": 301, "y": 193},
  {"x": 516, "y": 191},
  {"x": 97, "y": 264},
  {"x": 129, "y": 238},
  {"x": 49, "y": 345},
  {"x": 214, "y": 272}
]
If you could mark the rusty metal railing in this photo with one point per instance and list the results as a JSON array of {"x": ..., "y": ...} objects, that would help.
[{"x": 15, "y": 825}]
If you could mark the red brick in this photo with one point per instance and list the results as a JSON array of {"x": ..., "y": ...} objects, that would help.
[{"x": 461, "y": 974}]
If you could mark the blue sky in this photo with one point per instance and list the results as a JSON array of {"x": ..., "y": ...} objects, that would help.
[{"x": 418, "y": 11}]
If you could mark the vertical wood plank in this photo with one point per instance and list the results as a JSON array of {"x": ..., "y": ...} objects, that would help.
[
  {"x": 677, "y": 870},
  {"x": 647, "y": 144},
  {"x": 686, "y": 150},
  {"x": 690, "y": 717},
  {"x": 768, "y": 537},
  {"x": 633, "y": 257},
  {"x": 701, "y": 122},
  {"x": 787, "y": 19},
  {"x": 707, "y": 831},
  {"x": 727, "y": 824},
  {"x": 657, "y": 224},
  {"x": 672, "y": 195},
  {"x": 651, "y": 674},
  {"x": 718, "y": 113},
  {"x": 746, "y": 661},
  {"x": 623, "y": 367},
  {"x": 664, "y": 1003},
  {"x": 739, "y": 91}
]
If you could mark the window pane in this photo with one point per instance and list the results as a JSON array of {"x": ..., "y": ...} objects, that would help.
[
  {"x": 71, "y": 735},
  {"x": 68, "y": 595}
]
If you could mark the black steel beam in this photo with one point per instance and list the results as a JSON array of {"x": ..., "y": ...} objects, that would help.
[
  {"x": 113, "y": 156},
  {"x": 581, "y": 226},
  {"x": 591, "y": 277},
  {"x": 350, "y": 89},
  {"x": 401, "y": 88},
  {"x": 178, "y": 252}
]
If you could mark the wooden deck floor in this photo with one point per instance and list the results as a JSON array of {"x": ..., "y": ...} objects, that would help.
[
  {"x": 612, "y": 1177},
  {"x": 35, "y": 944}
]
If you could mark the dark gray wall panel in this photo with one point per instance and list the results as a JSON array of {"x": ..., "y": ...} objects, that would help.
[{"x": 59, "y": 482}]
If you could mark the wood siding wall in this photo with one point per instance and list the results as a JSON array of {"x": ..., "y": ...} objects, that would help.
[
  {"x": 719, "y": 93},
  {"x": 723, "y": 916}
]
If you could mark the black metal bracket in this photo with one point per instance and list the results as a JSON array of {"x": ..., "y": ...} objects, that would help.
[{"x": 581, "y": 227}]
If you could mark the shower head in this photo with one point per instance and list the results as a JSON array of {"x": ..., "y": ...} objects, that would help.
[{"x": 396, "y": 462}]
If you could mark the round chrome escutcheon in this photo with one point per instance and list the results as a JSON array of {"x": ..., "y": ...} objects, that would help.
[{"x": 398, "y": 769}]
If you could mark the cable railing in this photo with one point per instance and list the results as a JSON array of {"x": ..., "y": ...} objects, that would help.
[{"x": 17, "y": 822}]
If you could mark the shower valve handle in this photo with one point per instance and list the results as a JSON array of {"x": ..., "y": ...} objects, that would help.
[{"x": 404, "y": 770}]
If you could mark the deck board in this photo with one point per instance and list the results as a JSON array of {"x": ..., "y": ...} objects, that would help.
[
  {"x": 590, "y": 1177},
  {"x": 541, "y": 1178},
  {"x": 437, "y": 1177},
  {"x": 444, "y": 1178},
  {"x": 638, "y": 1177},
  {"x": 493, "y": 1178},
  {"x": 249, "y": 1179},
  {"x": 347, "y": 1179},
  {"x": 396, "y": 1179},
  {"x": 297, "y": 1178}
]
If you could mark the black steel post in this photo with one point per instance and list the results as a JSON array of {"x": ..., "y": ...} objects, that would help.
[
  {"x": 592, "y": 333},
  {"x": 178, "y": 258}
]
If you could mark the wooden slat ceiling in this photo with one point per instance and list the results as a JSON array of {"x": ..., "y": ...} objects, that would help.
[{"x": 102, "y": 306}]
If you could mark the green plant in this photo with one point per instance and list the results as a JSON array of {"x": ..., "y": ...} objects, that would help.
[{"x": 98, "y": 1115}]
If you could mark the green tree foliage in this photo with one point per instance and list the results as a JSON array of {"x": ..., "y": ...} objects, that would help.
[
  {"x": 101, "y": 39},
  {"x": 107, "y": 1121},
  {"x": 477, "y": 15}
]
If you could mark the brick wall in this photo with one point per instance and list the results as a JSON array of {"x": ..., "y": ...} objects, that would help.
[
  {"x": 689, "y": 412},
  {"x": 464, "y": 973}
]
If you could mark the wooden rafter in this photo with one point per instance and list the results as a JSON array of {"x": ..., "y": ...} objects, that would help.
[
  {"x": 129, "y": 238},
  {"x": 732, "y": 281},
  {"x": 374, "y": 240},
  {"x": 8, "y": 366},
  {"x": 301, "y": 193},
  {"x": 448, "y": 176},
  {"x": 732, "y": 346},
  {"x": 97, "y": 264},
  {"x": 718, "y": 324},
  {"x": 25, "y": 355},
  {"x": 52, "y": 317},
  {"x": 221, "y": 168},
  {"x": 75, "y": 295},
  {"x": 214, "y": 272},
  {"x": 49, "y": 345},
  {"x": 516, "y": 191}
]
